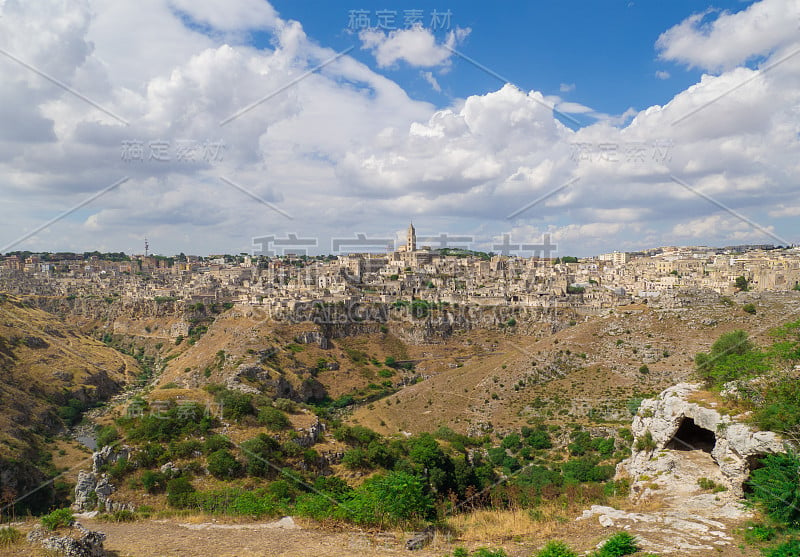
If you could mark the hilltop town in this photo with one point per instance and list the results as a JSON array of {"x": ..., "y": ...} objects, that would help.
[{"x": 437, "y": 276}]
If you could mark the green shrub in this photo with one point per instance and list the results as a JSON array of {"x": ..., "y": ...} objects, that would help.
[
  {"x": 185, "y": 449},
  {"x": 273, "y": 418},
  {"x": 511, "y": 442},
  {"x": 618, "y": 545},
  {"x": 9, "y": 536},
  {"x": 262, "y": 454},
  {"x": 790, "y": 548},
  {"x": 645, "y": 442},
  {"x": 235, "y": 404},
  {"x": 59, "y": 518},
  {"x": 285, "y": 405},
  {"x": 749, "y": 308},
  {"x": 223, "y": 465},
  {"x": 122, "y": 515},
  {"x": 758, "y": 533},
  {"x": 106, "y": 435},
  {"x": 776, "y": 488},
  {"x": 392, "y": 499},
  {"x": 356, "y": 459},
  {"x": 733, "y": 356},
  {"x": 781, "y": 409},
  {"x": 180, "y": 492},
  {"x": 216, "y": 442},
  {"x": 153, "y": 482},
  {"x": 556, "y": 549}
]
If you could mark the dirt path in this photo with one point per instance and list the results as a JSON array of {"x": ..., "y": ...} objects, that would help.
[{"x": 153, "y": 538}]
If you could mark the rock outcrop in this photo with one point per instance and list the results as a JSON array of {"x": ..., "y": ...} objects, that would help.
[
  {"x": 670, "y": 424},
  {"x": 93, "y": 489},
  {"x": 80, "y": 542}
]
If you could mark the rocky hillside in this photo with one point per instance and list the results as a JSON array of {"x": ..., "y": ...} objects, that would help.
[{"x": 49, "y": 373}]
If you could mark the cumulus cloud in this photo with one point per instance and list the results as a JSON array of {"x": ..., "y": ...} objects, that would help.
[
  {"x": 345, "y": 150},
  {"x": 229, "y": 16},
  {"x": 416, "y": 46},
  {"x": 662, "y": 74},
  {"x": 721, "y": 40},
  {"x": 566, "y": 87}
]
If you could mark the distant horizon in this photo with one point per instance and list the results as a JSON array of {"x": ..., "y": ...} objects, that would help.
[{"x": 750, "y": 247}]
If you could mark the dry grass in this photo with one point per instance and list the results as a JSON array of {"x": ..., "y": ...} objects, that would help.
[
  {"x": 543, "y": 522},
  {"x": 714, "y": 400}
]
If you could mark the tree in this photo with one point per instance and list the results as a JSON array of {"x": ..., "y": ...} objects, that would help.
[
  {"x": 393, "y": 498},
  {"x": 223, "y": 465},
  {"x": 742, "y": 284}
]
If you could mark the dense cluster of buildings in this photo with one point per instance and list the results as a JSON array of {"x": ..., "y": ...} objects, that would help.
[{"x": 410, "y": 272}]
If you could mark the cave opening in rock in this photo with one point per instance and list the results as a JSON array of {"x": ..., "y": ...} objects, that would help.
[
  {"x": 754, "y": 462},
  {"x": 692, "y": 437}
]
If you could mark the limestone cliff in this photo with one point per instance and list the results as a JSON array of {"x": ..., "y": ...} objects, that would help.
[{"x": 669, "y": 427}]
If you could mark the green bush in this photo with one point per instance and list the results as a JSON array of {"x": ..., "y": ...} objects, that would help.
[
  {"x": 273, "y": 418},
  {"x": 781, "y": 409},
  {"x": 286, "y": 405},
  {"x": 216, "y": 442},
  {"x": 153, "y": 482},
  {"x": 749, "y": 308},
  {"x": 618, "y": 545},
  {"x": 9, "y": 536},
  {"x": 180, "y": 492},
  {"x": 790, "y": 548},
  {"x": 733, "y": 356},
  {"x": 106, "y": 435},
  {"x": 758, "y": 533},
  {"x": 223, "y": 465},
  {"x": 235, "y": 405},
  {"x": 645, "y": 442},
  {"x": 122, "y": 515},
  {"x": 237, "y": 501},
  {"x": 262, "y": 454},
  {"x": 356, "y": 459},
  {"x": 392, "y": 499},
  {"x": 556, "y": 549},
  {"x": 511, "y": 442},
  {"x": 776, "y": 488},
  {"x": 59, "y": 518}
]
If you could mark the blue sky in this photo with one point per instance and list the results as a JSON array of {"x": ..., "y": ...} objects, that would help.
[
  {"x": 606, "y": 49},
  {"x": 676, "y": 124}
]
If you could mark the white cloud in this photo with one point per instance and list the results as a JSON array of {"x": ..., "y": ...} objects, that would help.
[
  {"x": 573, "y": 108},
  {"x": 662, "y": 74},
  {"x": 731, "y": 38},
  {"x": 567, "y": 87},
  {"x": 416, "y": 46},
  {"x": 229, "y": 16},
  {"x": 429, "y": 77},
  {"x": 346, "y": 150}
]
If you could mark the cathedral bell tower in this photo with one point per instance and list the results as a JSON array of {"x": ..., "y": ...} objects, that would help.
[{"x": 411, "y": 238}]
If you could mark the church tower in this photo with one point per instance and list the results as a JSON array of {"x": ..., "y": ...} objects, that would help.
[{"x": 411, "y": 238}]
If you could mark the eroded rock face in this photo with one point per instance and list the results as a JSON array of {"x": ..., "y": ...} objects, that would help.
[
  {"x": 109, "y": 455},
  {"x": 93, "y": 489},
  {"x": 675, "y": 424}
]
